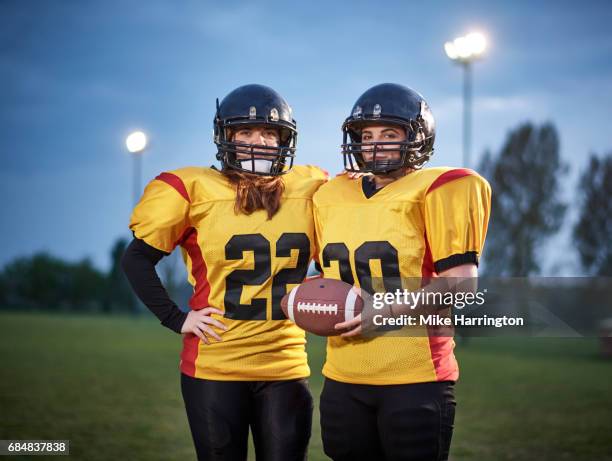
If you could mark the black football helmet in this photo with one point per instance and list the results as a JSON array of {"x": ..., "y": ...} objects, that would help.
[
  {"x": 255, "y": 105},
  {"x": 391, "y": 104}
]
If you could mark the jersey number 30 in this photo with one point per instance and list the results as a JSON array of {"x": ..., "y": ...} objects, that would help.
[{"x": 381, "y": 251}]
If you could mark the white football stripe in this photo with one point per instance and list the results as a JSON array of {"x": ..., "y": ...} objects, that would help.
[
  {"x": 349, "y": 305},
  {"x": 317, "y": 308},
  {"x": 290, "y": 303}
]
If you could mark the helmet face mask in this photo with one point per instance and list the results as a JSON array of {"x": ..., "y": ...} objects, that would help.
[
  {"x": 388, "y": 105},
  {"x": 259, "y": 106},
  {"x": 255, "y": 158}
]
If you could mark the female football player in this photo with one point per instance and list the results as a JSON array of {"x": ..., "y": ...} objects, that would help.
[
  {"x": 247, "y": 234},
  {"x": 391, "y": 397}
]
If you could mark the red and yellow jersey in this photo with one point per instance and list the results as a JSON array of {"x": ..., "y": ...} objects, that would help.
[
  {"x": 242, "y": 265},
  {"x": 426, "y": 222}
]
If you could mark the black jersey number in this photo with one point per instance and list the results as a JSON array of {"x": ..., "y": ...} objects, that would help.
[
  {"x": 286, "y": 243},
  {"x": 374, "y": 250},
  {"x": 261, "y": 271}
]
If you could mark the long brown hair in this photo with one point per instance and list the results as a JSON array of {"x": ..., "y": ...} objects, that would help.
[{"x": 255, "y": 192}]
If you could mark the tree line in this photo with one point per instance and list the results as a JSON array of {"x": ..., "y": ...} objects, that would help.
[
  {"x": 45, "y": 282},
  {"x": 529, "y": 182},
  {"x": 528, "y": 179}
]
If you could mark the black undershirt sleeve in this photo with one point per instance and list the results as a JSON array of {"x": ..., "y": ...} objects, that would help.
[
  {"x": 138, "y": 263},
  {"x": 456, "y": 260}
]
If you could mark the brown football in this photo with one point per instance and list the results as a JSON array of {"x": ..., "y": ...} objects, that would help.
[{"x": 318, "y": 304}]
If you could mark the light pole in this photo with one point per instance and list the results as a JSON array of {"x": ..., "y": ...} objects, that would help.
[
  {"x": 136, "y": 144},
  {"x": 465, "y": 50}
]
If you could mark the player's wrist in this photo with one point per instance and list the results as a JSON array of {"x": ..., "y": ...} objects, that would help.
[{"x": 176, "y": 321}]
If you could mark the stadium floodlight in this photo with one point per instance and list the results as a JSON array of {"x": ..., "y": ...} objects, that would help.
[
  {"x": 464, "y": 50},
  {"x": 136, "y": 144}
]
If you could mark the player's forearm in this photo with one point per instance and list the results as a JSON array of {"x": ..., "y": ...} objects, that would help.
[{"x": 138, "y": 263}]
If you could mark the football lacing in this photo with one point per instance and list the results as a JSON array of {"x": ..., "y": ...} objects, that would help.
[{"x": 317, "y": 308}]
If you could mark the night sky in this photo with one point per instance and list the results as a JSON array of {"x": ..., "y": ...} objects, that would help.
[{"x": 76, "y": 77}]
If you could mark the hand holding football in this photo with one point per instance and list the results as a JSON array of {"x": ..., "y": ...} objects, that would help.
[{"x": 318, "y": 304}]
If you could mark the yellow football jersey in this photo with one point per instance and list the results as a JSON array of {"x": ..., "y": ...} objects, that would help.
[
  {"x": 242, "y": 265},
  {"x": 426, "y": 222}
]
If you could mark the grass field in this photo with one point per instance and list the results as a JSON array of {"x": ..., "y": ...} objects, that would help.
[{"x": 111, "y": 386}]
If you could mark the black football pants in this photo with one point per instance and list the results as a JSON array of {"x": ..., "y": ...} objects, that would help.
[
  {"x": 407, "y": 422},
  {"x": 220, "y": 413}
]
